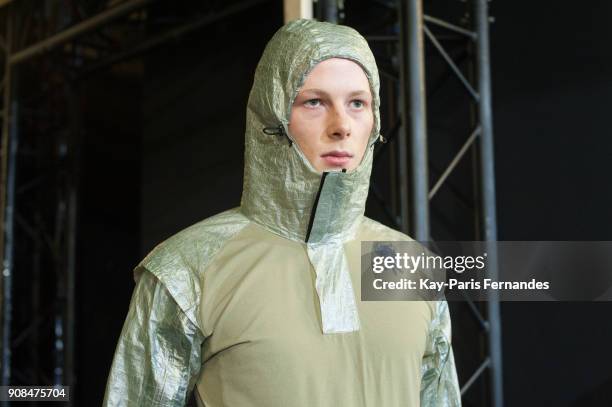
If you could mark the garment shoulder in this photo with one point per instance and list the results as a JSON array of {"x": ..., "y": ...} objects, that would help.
[
  {"x": 197, "y": 242},
  {"x": 373, "y": 230},
  {"x": 179, "y": 261}
]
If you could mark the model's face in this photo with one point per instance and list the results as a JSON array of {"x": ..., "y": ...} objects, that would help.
[{"x": 331, "y": 117}]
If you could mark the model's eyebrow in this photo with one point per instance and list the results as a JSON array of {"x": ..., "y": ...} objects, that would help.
[
  {"x": 321, "y": 92},
  {"x": 362, "y": 93}
]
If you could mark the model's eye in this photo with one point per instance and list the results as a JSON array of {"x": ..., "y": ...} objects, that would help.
[
  {"x": 312, "y": 102},
  {"x": 357, "y": 103}
]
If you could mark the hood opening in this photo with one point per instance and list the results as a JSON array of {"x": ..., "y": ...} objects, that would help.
[{"x": 374, "y": 136}]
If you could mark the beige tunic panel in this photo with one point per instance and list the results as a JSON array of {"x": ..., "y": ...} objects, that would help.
[{"x": 265, "y": 345}]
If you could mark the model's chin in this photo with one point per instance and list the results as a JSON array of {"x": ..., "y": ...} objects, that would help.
[{"x": 331, "y": 161}]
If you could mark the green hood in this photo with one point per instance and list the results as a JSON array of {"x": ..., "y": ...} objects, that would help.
[{"x": 282, "y": 191}]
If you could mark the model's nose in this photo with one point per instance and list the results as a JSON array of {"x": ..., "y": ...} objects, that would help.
[{"x": 339, "y": 126}]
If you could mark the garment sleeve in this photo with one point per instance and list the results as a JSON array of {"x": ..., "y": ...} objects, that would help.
[
  {"x": 439, "y": 383},
  {"x": 157, "y": 359}
]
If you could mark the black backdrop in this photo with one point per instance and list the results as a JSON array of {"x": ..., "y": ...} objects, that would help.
[{"x": 552, "y": 86}]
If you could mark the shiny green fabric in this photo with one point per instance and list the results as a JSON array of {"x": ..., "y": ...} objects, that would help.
[
  {"x": 158, "y": 356},
  {"x": 156, "y": 361},
  {"x": 439, "y": 383}
]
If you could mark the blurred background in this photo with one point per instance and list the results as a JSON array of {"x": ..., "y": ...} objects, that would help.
[{"x": 123, "y": 123}]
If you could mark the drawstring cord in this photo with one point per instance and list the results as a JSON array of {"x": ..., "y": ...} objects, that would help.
[
  {"x": 379, "y": 139},
  {"x": 277, "y": 131}
]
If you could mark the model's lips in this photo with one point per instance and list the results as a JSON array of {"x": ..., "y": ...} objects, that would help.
[{"x": 337, "y": 158}]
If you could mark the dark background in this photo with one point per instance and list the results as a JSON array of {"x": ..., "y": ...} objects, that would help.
[
  {"x": 552, "y": 87},
  {"x": 163, "y": 149}
]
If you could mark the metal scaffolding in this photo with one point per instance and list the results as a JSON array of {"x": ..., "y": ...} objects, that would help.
[
  {"x": 7, "y": 193},
  {"x": 63, "y": 43},
  {"x": 399, "y": 43},
  {"x": 33, "y": 237}
]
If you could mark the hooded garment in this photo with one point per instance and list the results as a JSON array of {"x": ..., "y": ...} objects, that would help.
[{"x": 259, "y": 305}]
